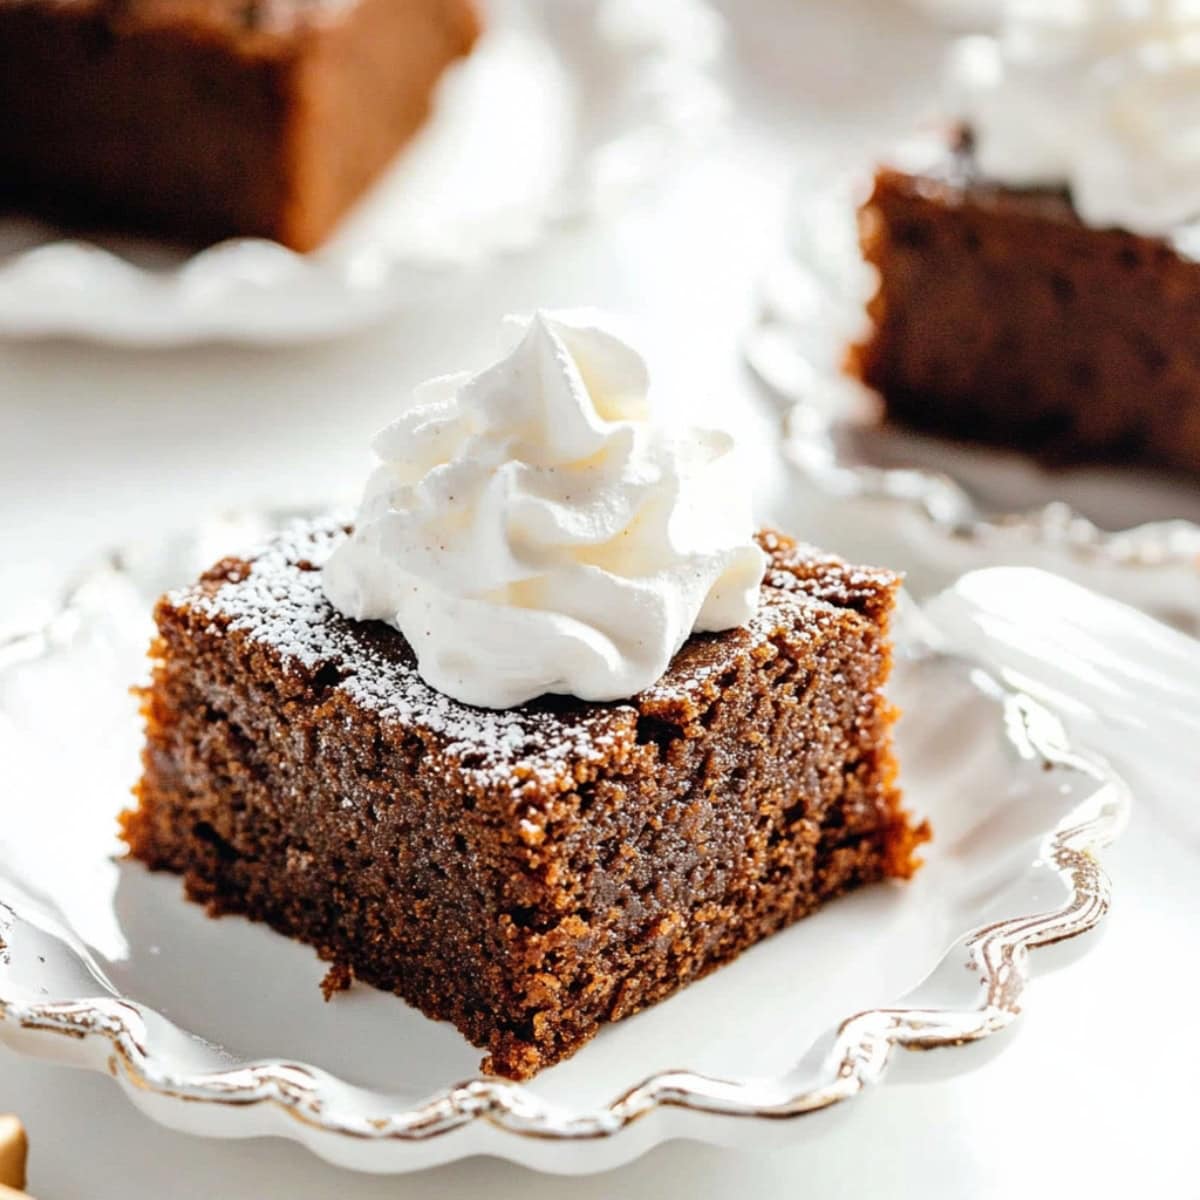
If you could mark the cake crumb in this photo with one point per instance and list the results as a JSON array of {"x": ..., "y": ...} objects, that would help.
[{"x": 338, "y": 978}]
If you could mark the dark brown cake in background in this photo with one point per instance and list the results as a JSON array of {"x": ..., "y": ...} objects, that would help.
[
  {"x": 1000, "y": 317},
  {"x": 530, "y": 873},
  {"x": 205, "y": 119}
]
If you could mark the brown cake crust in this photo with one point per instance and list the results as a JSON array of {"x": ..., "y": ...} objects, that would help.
[
  {"x": 206, "y": 119},
  {"x": 531, "y": 873},
  {"x": 1000, "y": 317}
]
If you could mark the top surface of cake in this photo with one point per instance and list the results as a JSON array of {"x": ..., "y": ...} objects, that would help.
[
  {"x": 275, "y": 598},
  {"x": 946, "y": 169}
]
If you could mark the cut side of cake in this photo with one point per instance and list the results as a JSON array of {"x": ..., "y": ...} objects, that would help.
[
  {"x": 206, "y": 119},
  {"x": 528, "y": 874},
  {"x": 1000, "y": 317}
]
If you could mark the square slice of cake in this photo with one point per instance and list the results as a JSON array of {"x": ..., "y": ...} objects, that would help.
[
  {"x": 1001, "y": 317},
  {"x": 530, "y": 873},
  {"x": 207, "y": 119}
]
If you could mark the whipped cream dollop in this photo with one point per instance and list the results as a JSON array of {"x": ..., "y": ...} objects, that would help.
[
  {"x": 529, "y": 529},
  {"x": 1099, "y": 96}
]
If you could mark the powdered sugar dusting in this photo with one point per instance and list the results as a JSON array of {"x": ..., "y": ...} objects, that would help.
[{"x": 275, "y": 597}]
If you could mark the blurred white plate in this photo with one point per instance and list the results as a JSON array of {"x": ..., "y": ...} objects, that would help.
[
  {"x": 565, "y": 109},
  {"x": 966, "y": 15},
  {"x": 210, "y": 1026},
  {"x": 938, "y": 508}
]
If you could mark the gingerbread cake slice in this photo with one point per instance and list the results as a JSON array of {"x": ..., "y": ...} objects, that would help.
[
  {"x": 529, "y": 873},
  {"x": 206, "y": 119},
  {"x": 1001, "y": 317}
]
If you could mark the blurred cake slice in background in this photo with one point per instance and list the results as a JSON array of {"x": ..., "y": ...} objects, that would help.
[
  {"x": 205, "y": 119},
  {"x": 1039, "y": 286}
]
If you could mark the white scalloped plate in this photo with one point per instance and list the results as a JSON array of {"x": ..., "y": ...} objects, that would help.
[
  {"x": 940, "y": 508},
  {"x": 565, "y": 108},
  {"x": 209, "y": 1026}
]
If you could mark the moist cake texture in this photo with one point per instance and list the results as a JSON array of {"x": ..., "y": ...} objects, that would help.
[
  {"x": 206, "y": 119},
  {"x": 531, "y": 873},
  {"x": 1001, "y": 317}
]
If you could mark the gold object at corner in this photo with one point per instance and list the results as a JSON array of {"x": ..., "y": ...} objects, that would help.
[{"x": 14, "y": 1148}]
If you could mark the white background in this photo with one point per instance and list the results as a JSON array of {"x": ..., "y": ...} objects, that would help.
[{"x": 1096, "y": 1093}]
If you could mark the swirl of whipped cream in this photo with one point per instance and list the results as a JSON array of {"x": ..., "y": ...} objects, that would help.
[
  {"x": 529, "y": 530},
  {"x": 1099, "y": 96}
]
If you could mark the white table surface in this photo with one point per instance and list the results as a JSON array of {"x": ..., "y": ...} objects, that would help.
[{"x": 98, "y": 446}]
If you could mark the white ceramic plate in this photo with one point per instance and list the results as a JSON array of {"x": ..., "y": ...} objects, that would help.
[
  {"x": 934, "y": 507},
  {"x": 218, "y": 1027},
  {"x": 565, "y": 108}
]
